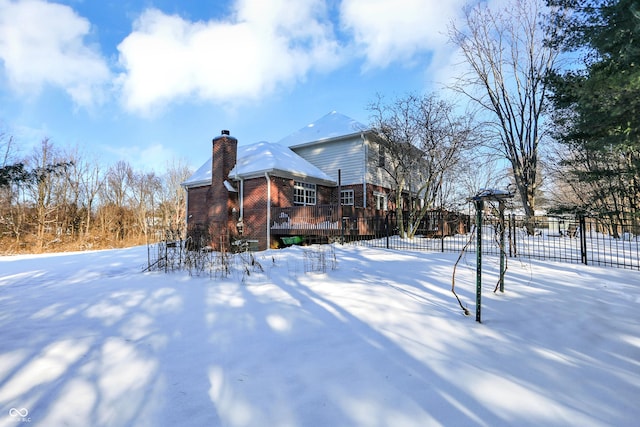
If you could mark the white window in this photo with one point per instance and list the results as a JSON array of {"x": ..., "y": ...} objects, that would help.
[
  {"x": 303, "y": 193},
  {"x": 346, "y": 197},
  {"x": 380, "y": 200}
]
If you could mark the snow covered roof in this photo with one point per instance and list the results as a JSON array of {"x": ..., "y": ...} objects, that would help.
[
  {"x": 200, "y": 177},
  {"x": 330, "y": 126},
  {"x": 264, "y": 157},
  {"x": 256, "y": 159}
]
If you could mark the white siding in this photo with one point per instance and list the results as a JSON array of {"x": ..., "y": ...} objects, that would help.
[
  {"x": 377, "y": 175},
  {"x": 357, "y": 159},
  {"x": 346, "y": 155}
]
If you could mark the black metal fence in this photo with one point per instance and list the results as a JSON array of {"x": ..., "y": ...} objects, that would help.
[{"x": 586, "y": 240}]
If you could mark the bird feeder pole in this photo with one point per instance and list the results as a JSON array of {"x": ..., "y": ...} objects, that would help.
[
  {"x": 479, "y": 208},
  {"x": 502, "y": 251},
  {"x": 478, "y": 201}
]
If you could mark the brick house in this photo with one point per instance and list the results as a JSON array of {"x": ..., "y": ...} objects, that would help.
[{"x": 309, "y": 183}]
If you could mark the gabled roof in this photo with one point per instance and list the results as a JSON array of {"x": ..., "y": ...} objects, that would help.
[
  {"x": 264, "y": 157},
  {"x": 331, "y": 126}
]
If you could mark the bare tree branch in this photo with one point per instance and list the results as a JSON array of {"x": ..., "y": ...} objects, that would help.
[{"x": 508, "y": 63}]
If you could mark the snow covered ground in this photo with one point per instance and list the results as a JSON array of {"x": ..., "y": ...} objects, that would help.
[{"x": 376, "y": 339}]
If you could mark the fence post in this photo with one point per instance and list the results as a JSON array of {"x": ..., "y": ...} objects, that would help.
[
  {"x": 513, "y": 250},
  {"x": 502, "y": 252},
  {"x": 386, "y": 228},
  {"x": 583, "y": 238},
  {"x": 441, "y": 214}
]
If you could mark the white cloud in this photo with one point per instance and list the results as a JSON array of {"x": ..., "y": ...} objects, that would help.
[
  {"x": 388, "y": 31},
  {"x": 265, "y": 45},
  {"x": 42, "y": 43}
]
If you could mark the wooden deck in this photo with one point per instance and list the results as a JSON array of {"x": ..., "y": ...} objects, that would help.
[
  {"x": 325, "y": 220},
  {"x": 347, "y": 221}
]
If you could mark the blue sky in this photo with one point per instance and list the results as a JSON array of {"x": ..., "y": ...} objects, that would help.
[{"x": 149, "y": 81}]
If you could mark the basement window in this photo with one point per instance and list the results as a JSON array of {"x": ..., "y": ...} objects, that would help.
[{"x": 304, "y": 193}]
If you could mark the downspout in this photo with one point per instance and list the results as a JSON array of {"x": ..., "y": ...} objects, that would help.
[
  {"x": 242, "y": 198},
  {"x": 364, "y": 178},
  {"x": 186, "y": 212},
  {"x": 266, "y": 175}
]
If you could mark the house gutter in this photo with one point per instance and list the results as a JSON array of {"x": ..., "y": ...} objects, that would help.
[
  {"x": 242, "y": 198},
  {"x": 241, "y": 216},
  {"x": 186, "y": 209},
  {"x": 266, "y": 175}
]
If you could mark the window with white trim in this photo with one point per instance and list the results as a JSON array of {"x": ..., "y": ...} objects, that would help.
[
  {"x": 380, "y": 201},
  {"x": 304, "y": 193},
  {"x": 346, "y": 197}
]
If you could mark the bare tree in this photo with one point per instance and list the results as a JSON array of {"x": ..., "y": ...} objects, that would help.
[
  {"x": 91, "y": 182},
  {"x": 423, "y": 140},
  {"x": 44, "y": 188},
  {"x": 12, "y": 213},
  {"x": 395, "y": 130},
  {"x": 114, "y": 215},
  {"x": 85, "y": 179},
  {"x": 174, "y": 196},
  {"x": 508, "y": 63},
  {"x": 55, "y": 196},
  {"x": 144, "y": 198},
  {"x": 477, "y": 171},
  {"x": 118, "y": 183},
  {"x": 6, "y": 148}
]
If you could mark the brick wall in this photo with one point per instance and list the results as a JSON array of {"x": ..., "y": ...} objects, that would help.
[
  {"x": 371, "y": 202},
  {"x": 255, "y": 204},
  {"x": 197, "y": 205},
  {"x": 224, "y": 148},
  {"x": 326, "y": 195},
  {"x": 215, "y": 210},
  {"x": 281, "y": 192},
  {"x": 210, "y": 208},
  {"x": 255, "y": 211}
]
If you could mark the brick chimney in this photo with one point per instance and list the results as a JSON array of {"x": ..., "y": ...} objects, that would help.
[{"x": 224, "y": 150}]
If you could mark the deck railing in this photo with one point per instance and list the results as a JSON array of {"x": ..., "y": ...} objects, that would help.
[
  {"x": 352, "y": 223},
  {"x": 304, "y": 218}
]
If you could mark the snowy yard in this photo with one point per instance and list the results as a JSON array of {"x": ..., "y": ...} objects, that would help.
[{"x": 378, "y": 339}]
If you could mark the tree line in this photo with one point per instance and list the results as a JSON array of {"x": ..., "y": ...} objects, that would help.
[
  {"x": 552, "y": 90},
  {"x": 61, "y": 199},
  {"x": 597, "y": 105}
]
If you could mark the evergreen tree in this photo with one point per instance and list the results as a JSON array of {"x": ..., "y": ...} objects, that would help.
[
  {"x": 15, "y": 173},
  {"x": 598, "y": 103}
]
